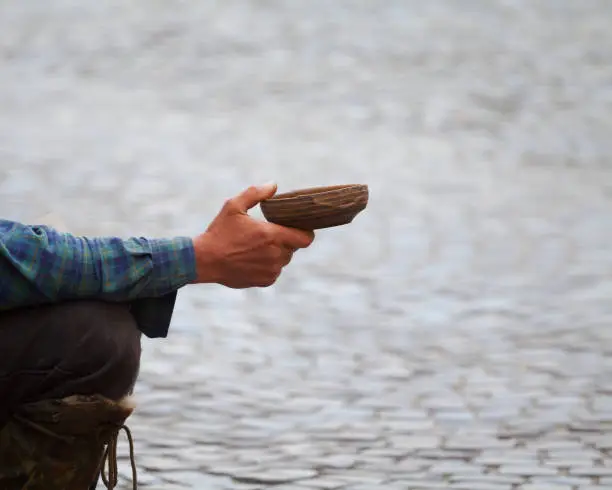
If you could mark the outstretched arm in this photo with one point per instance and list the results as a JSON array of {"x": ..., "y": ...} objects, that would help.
[{"x": 39, "y": 264}]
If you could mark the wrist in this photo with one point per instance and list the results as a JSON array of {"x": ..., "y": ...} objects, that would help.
[{"x": 207, "y": 259}]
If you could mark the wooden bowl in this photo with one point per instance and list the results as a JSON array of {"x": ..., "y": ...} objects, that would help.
[{"x": 316, "y": 207}]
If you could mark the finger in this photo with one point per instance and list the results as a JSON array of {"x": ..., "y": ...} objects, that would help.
[
  {"x": 286, "y": 255},
  {"x": 292, "y": 237},
  {"x": 252, "y": 196}
]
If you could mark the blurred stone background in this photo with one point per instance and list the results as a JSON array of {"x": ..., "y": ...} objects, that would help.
[{"x": 456, "y": 335}]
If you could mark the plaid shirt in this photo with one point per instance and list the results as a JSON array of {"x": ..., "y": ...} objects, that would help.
[{"x": 39, "y": 265}]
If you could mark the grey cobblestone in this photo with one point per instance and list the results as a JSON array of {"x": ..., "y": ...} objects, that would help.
[
  {"x": 323, "y": 483},
  {"x": 527, "y": 470},
  {"x": 456, "y": 468},
  {"x": 544, "y": 486},
  {"x": 592, "y": 471},
  {"x": 480, "y": 486},
  {"x": 456, "y": 335},
  {"x": 567, "y": 481}
]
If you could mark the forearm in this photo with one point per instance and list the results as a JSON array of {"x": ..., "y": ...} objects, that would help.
[{"x": 39, "y": 265}]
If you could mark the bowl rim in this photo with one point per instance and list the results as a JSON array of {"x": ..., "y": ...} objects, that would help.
[{"x": 298, "y": 193}]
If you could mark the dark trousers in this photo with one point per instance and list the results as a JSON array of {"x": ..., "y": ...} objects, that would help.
[{"x": 72, "y": 348}]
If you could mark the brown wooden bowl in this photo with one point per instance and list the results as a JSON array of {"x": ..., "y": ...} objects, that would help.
[{"x": 316, "y": 207}]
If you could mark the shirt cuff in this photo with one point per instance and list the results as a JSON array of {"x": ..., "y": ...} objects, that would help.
[{"x": 174, "y": 263}]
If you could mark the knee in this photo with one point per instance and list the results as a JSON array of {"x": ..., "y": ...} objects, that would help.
[{"x": 107, "y": 350}]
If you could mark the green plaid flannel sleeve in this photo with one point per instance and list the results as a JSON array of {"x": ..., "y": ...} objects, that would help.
[{"x": 38, "y": 264}]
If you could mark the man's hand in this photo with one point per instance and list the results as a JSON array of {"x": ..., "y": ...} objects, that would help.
[{"x": 241, "y": 252}]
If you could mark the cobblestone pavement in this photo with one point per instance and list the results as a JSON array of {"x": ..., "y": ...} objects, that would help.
[{"x": 456, "y": 335}]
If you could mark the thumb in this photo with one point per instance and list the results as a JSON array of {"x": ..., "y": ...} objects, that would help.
[{"x": 252, "y": 196}]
